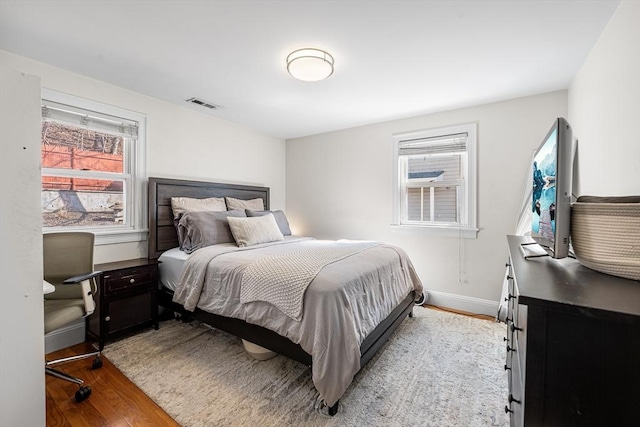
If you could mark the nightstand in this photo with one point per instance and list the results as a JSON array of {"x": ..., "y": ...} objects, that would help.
[{"x": 127, "y": 299}]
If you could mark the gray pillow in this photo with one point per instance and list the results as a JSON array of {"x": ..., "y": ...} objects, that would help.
[
  {"x": 205, "y": 228},
  {"x": 281, "y": 219}
]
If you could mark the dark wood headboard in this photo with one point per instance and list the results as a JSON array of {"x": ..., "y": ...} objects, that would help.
[{"x": 162, "y": 232}]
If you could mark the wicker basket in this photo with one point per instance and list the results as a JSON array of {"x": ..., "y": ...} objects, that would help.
[{"x": 605, "y": 234}]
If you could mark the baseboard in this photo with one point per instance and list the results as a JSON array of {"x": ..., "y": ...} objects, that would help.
[
  {"x": 463, "y": 303},
  {"x": 72, "y": 334}
]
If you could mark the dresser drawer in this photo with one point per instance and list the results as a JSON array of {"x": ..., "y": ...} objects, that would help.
[{"x": 127, "y": 279}]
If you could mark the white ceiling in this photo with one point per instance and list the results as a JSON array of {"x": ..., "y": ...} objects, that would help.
[{"x": 393, "y": 59}]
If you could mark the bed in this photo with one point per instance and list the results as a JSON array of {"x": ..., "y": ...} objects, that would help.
[{"x": 273, "y": 327}]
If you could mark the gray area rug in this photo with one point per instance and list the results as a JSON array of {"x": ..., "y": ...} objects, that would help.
[{"x": 438, "y": 369}]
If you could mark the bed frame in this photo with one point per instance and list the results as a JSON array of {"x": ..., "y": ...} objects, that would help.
[{"x": 163, "y": 236}]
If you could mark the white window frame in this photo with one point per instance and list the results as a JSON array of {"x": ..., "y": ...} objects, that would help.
[
  {"x": 467, "y": 203},
  {"x": 135, "y": 196}
]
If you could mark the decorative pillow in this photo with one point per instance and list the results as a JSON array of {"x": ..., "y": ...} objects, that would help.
[
  {"x": 281, "y": 219},
  {"x": 205, "y": 228},
  {"x": 253, "y": 204},
  {"x": 252, "y": 231},
  {"x": 180, "y": 205}
]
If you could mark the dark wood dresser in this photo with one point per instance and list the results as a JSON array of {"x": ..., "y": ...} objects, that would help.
[
  {"x": 573, "y": 344},
  {"x": 127, "y": 300}
]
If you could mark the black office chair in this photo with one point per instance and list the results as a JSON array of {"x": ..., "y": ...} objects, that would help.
[{"x": 68, "y": 265}]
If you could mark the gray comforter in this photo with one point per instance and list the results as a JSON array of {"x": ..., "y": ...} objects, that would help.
[{"x": 345, "y": 301}]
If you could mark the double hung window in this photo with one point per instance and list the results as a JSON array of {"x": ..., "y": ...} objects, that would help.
[
  {"x": 92, "y": 168},
  {"x": 435, "y": 180}
]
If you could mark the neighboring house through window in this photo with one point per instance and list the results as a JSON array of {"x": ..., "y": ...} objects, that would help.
[
  {"x": 435, "y": 180},
  {"x": 93, "y": 165}
]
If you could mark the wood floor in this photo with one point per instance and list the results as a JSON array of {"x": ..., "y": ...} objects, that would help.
[
  {"x": 464, "y": 313},
  {"x": 115, "y": 401}
]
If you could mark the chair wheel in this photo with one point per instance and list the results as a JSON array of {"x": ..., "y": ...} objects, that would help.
[
  {"x": 83, "y": 393},
  {"x": 97, "y": 363}
]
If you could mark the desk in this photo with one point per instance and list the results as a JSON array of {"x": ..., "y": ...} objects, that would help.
[{"x": 47, "y": 288}]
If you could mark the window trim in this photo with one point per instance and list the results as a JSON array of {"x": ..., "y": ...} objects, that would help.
[
  {"x": 138, "y": 230},
  {"x": 469, "y": 204}
]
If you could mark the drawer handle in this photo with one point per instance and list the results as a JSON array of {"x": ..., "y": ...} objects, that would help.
[
  {"x": 511, "y": 349},
  {"x": 511, "y": 399},
  {"x": 132, "y": 281},
  {"x": 515, "y": 328},
  {"x": 507, "y": 410},
  {"x": 106, "y": 319},
  {"x": 506, "y": 368},
  {"x": 509, "y": 297}
]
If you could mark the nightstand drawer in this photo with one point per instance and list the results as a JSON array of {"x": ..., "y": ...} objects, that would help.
[{"x": 121, "y": 280}]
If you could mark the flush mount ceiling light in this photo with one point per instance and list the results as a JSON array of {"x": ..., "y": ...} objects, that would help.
[{"x": 309, "y": 64}]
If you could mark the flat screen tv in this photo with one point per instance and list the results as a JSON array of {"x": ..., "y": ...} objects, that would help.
[{"x": 551, "y": 204}]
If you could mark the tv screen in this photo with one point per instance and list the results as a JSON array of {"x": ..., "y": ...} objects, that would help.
[{"x": 551, "y": 204}]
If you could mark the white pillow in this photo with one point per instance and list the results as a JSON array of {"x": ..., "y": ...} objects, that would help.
[
  {"x": 180, "y": 205},
  {"x": 255, "y": 230},
  {"x": 239, "y": 204}
]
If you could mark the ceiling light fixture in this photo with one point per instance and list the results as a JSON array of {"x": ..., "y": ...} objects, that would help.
[{"x": 309, "y": 64}]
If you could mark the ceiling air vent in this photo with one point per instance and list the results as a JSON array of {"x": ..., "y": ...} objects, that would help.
[{"x": 203, "y": 103}]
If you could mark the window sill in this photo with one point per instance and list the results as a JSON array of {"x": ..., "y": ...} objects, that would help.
[
  {"x": 110, "y": 237},
  {"x": 439, "y": 231}
]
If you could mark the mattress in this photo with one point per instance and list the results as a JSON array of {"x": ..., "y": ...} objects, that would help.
[{"x": 171, "y": 263}]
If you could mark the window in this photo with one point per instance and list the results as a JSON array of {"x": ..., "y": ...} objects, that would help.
[
  {"x": 92, "y": 168},
  {"x": 435, "y": 186}
]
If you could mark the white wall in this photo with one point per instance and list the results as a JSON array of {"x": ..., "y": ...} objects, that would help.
[
  {"x": 181, "y": 143},
  {"x": 604, "y": 109},
  {"x": 22, "y": 399},
  {"x": 339, "y": 185}
]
